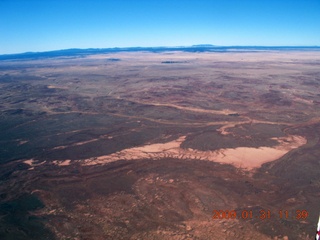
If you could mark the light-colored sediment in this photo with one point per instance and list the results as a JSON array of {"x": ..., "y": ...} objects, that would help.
[
  {"x": 22, "y": 142},
  {"x": 56, "y": 87},
  {"x": 82, "y": 143},
  {"x": 29, "y": 162},
  {"x": 62, "y": 163},
  {"x": 244, "y": 157},
  {"x": 223, "y": 129},
  {"x": 191, "y": 109},
  {"x": 32, "y": 162}
]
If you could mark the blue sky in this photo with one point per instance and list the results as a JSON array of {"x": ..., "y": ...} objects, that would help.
[{"x": 42, "y": 25}]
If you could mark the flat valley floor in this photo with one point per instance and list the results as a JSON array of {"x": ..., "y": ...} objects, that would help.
[{"x": 146, "y": 145}]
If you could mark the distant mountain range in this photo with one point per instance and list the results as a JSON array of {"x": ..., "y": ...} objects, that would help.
[{"x": 193, "y": 48}]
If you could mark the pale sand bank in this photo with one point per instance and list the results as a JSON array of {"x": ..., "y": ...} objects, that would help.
[
  {"x": 32, "y": 162},
  {"x": 62, "y": 163},
  {"x": 244, "y": 157}
]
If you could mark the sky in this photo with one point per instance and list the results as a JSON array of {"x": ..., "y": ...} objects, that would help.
[{"x": 45, "y": 25}]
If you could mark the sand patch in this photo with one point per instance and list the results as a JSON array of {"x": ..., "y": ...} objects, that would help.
[
  {"x": 56, "y": 87},
  {"x": 22, "y": 142},
  {"x": 29, "y": 162},
  {"x": 243, "y": 157},
  {"x": 33, "y": 163},
  {"x": 192, "y": 109},
  {"x": 160, "y": 147},
  {"x": 62, "y": 163},
  {"x": 82, "y": 143}
]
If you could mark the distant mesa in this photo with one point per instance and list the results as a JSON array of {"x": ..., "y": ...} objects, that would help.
[
  {"x": 114, "y": 59},
  {"x": 170, "y": 62},
  {"x": 234, "y": 114},
  {"x": 76, "y": 52},
  {"x": 203, "y": 45}
]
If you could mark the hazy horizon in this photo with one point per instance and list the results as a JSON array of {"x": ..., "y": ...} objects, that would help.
[
  {"x": 39, "y": 26},
  {"x": 164, "y": 47}
]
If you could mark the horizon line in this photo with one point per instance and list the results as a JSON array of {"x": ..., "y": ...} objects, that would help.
[{"x": 204, "y": 46}]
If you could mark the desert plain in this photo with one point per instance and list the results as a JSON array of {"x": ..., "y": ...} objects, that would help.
[{"x": 147, "y": 145}]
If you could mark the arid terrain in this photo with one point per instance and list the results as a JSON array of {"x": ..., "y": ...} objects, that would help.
[{"x": 150, "y": 144}]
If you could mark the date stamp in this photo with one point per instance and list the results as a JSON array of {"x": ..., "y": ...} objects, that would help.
[{"x": 261, "y": 214}]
